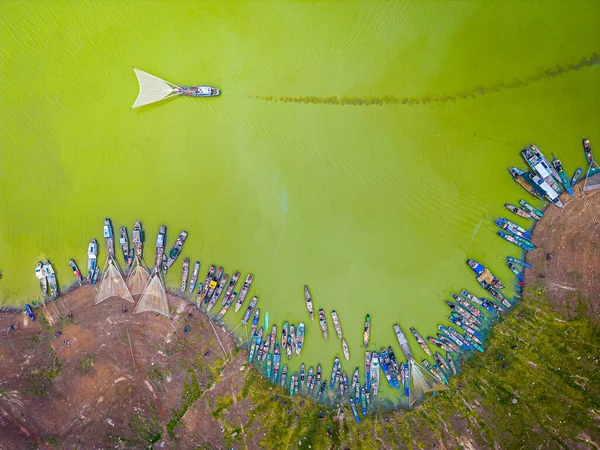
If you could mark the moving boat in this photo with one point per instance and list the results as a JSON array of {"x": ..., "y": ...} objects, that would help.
[
  {"x": 520, "y": 277},
  {"x": 95, "y": 275},
  {"x": 540, "y": 165},
  {"x": 176, "y": 250},
  {"x": 563, "y": 176},
  {"x": 51, "y": 276},
  {"x": 194, "y": 280},
  {"x": 213, "y": 285},
  {"x": 334, "y": 370},
  {"x": 520, "y": 262},
  {"x": 232, "y": 284},
  {"x": 160, "y": 248},
  {"x": 41, "y": 276},
  {"x": 403, "y": 342},
  {"x": 336, "y": 323},
  {"x": 154, "y": 89},
  {"x": 226, "y": 306},
  {"x": 523, "y": 180},
  {"x": 138, "y": 238},
  {"x": 529, "y": 208},
  {"x": 345, "y": 349},
  {"x": 309, "y": 304},
  {"x": 507, "y": 225},
  {"x": 299, "y": 338},
  {"x": 518, "y": 211},
  {"x": 217, "y": 293},
  {"x": 185, "y": 268},
  {"x": 513, "y": 240},
  {"x": 249, "y": 310},
  {"x": 109, "y": 238},
  {"x": 203, "y": 290},
  {"x": 374, "y": 373},
  {"x": 420, "y": 341},
  {"x": 75, "y": 270},
  {"x": 276, "y": 362},
  {"x": 244, "y": 292},
  {"x": 124, "y": 243},
  {"x": 30, "y": 312},
  {"x": 367, "y": 332},
  {"x": 576, "y": 176},
  {"x": 323, "y": 323},
  {"x": 354, "y": 411},
  {"x": 92, "y": 258},
  {"x": 587, "y": 149}
]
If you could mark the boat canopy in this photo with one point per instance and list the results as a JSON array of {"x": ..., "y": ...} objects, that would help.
[{"x": 152, "y": 89}]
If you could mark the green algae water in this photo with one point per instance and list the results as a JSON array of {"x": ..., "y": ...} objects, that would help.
[{"x": 356, "y": 147}]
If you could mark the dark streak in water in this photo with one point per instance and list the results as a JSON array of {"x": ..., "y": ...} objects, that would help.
[{"x": 473, "y": 93}]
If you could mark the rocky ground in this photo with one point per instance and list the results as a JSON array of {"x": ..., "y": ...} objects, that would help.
[{"x": 138, "y": 381}]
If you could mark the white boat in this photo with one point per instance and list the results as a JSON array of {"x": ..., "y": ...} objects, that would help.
[
  {"x": 374, "y": 373},
  {"x": 154, "y": 89},
  {"x": 92, "y": 258},
  {"x": 549, "y": 191}
]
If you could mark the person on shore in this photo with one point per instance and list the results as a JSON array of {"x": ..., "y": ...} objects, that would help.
[
  {"x": 124, "y": 309},
  {"x": 11, "y": 329}
]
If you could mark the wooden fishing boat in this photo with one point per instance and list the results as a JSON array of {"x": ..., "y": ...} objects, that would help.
[
  {"x": 345, "y": 349},
  {"x": 520, "y": 262},
  {"x": 160, "y": 248},
  {"x": 109, "y": 238},
  {"x": 507, "y": 225},
  {"x": 435, "y": 371},
  {"x": 450, "y": 339},
  {"x": 309, "y": 378},
  {"x": 293, "y": 383},
  {"x": 175, "y": 250},
  {"x": 284, "y": 336},
  {"x": 484, "y": 303},
  {"x": 75, "y": 269},
  {"x": 203, "y": 289},
  {"x": 255, "y": 319},
  {"x": 212, "y": 286},
  {"x": 465, "y": 304},
  {"x": 292, "y": 339},
  {"x": 95, "y": 275},
  {"x": 343, "y": 384},
  {"x": 354, "y": 411},
  {"x": 463, "y": 312},
  {"x": 269, "y": 365},
  {"x": 41, "y": 276},
  {"x": 403, "y": 342},
  {"x": 336, "y": 323},
  {"x": 137, "y": 236},
  {"x": 513, "y": 240},
  {"x": 302, "y": 374},
  {"x": 519, "y": 275},
  {"x": 51, "y": 277},
  {"x": 460, "y": 321},
  {"x": 531, "y": 209},
  {"x": 439, "y": 344},
  {"x": 518, "y": 211},
  {"x": 355, "y": 378},
  {"x": 484, "y": 275},
  {"x": 576, "y": 176},
  {"x": 384, "y": 361},
  {"x": 276, "y": 362},
  {"x": 232, "y": 284},
  {"x": 563, "y": 176},
  {"x": 319, "y": 372},
  {"x": 356, "y": 388},
  {"x": 374, "y": 373},
  {"x": 296, "y": 383},
  {"x": 194, "y": 280},
  {"x": 283, "y": 374},
  {"x": 244, "y": 292},
  {"x": 334, "y": 370},
  {"x": 249, "y": 310},
  {"x": 497, "y": 296},
  {"x": 321, "y": 389},
  {"x": 124, "y": 243},
  {"x": 441, "y": 362},
  {"x": 587, "y": 149},
  {"x": 363, "y": 401},
  {"x": 457, "y": 348},
  {"x": 309, "y": 304},
  {"x": 252, "y": 348},
  {"x": 314, "y": 380},
  {"x": 367, "y": 332},
  {"x": 451, "y": 363},
  {"x": 185, "y": 268},
  {"x": 420, "y": 341},
  {"x": 299, "y": 338},
  {"x": 215, "y": 297},
  {"x": 368, "y": 371},
  {"x": 273, "y": 337},
  {"x": 397, "y": 370},
  {"x": 227, "y": 305},
  {"x": 92, "y": 254},
  {"x": 522, "y": 179},
  {"x": 323, "y": 323}
]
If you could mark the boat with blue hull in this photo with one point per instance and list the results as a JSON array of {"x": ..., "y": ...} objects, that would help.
[
  {"x": 563, "y": 176},
  {"x": 520, "y": 262},
  {"x": 531, "y": 209},
  {"x": 575, "y": 178}
]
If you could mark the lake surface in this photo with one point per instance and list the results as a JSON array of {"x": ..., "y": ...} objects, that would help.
[{"x": 356, "y": 147}]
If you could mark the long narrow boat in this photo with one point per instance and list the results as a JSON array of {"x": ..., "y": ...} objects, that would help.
[
  {"x": 540, "y": 165},
  {"x": 463, "y": 312},
  {"x": 195, "y": 274},
  {"x": 441, "y": 362},
  {"x": 397, "y": 370},
  {"x": 212, "y": 286},
  {"x": 563, "y": 176},
  {"x": 407, "y": 379},
  {"x": 300, "y": 338},
  {"x": 319, "y": 372},
  {"x": 550, "y": 191},
  {"x": 175, "y": 250},
  {"x": 266, "y": 321},
  {"x": 273, "y": 337},
  {"x": 137, "y": 236},
  {"x": 215, "y": 297},
  {"x": 461, "y": 343},
  {"x": 336, "y": 323},
  {"x": 354, "y": 378},
  {"x": 334, "y": 370},
  {"x": 243, "y": 292},
  {"x": 323, "y": 323},
  {"x": 440, "y": 344},
  {"x": 520, "y": 262},
  {"x": 160, "y": 248},
  {"x": 345, "y": 350},
  {"x": 185, "y": 269},
  {"x": 497, "y": 296},
  {"x": 508, "y": 225},
  {"x": 576, "y": 176},
  {"x": 124, "y": 243},
  {"x": 321, "y": 389},
  {"x": 522, "y": 179},
  {"x": 203, "y": 289},
  {"x": 531, "y": 209},
  {"x": 518, "y": 211},
  {"x": 92, "y": 254},
  {"x": 420, "y": 341},
  {"x": 249, "y": 310},
  {"x": 368, "y": 371},
  {"x": 311, "y": 385},
  {"x": 269, "y": 365},
  {"x": 255, "y": 319},
  {"x": 51, "y": 276},
  {"x": 354, "y": 411},
  {"x": 75, "y": 270},
  {"x": 512, "y": 239},
  {"x": 363, "y": 400},
  {"x": 374, "y": 373},
  {"x": 284, "y": 374},
  {"x": 435, "y": 371},
  {"x": 309, "y": 378},
  {"x": 484, "y": 303},
  {"x": 465, "y": 304},
  {"x": 292, "y": 339},
  {"x": 232, "y": 284},
  {"x": 519, "y": 275},
  {"x": 463, "y": 323},
  {"x": 384, "y": 361},
  {"x": 309, "y": 304},
  {"x": 587, "y": 149},
  {"x": 450, "y": 343},
  {"x": 109, "y": 238},
  {"x": 288, "y": 348},
  {"x": 403, "y": 342},
  {"x": 41, "y": 276},
  {"x": 466, "y": 337},
  {"x": 367, "y": 331},
  {"x": 276, "y": 362},
  {"x": 524, "y": 241},
  {"x": 302, "y": 374},
  {"x": 284, "y": 336},
  {"x": 226, "y": 306},
  {"x": 95, "y": 275},
  {"x": 253, "y": 346}
]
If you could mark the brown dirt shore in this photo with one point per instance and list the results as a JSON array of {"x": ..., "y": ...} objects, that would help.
[
  {"x": 114, "y": 379},
  {"x": 572, "y": 237}
]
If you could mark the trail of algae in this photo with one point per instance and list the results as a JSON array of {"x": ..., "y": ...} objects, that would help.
[{"x": 548, "y": 396}]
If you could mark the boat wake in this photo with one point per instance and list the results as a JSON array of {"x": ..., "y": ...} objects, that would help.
[{"x": 471, "y": 93}]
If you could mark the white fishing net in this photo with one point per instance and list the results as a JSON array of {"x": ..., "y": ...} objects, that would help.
[
  {"x": 138, "y": 277},
  {"x": 422, "y": 381},
  {"x": 154, "y": 298},
  {"x": 112, "y": 284},
  {"x": 592, "y": 179}
]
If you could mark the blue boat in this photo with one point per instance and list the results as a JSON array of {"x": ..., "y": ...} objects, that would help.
[
  {"x": 508, "y": 225},
  {"x": 512, "y": 239},
  {"x": 334, "y": 370},
  {"x": 354, "y": 411},
  {"x": 459, "y": 323},
  {"x": 575, "y": 176},
  {"x": 30, "y": 312},
  {"x": 518, "y": 261},
  {"x": 385, "y": 368},
  {"x": 484, "y": 274},
  {"x": 406, "y": 379},
  {"x": 368, "y": 371},
  {"x": 518, "y": 274},
  {"x": 563, "y": 176}
]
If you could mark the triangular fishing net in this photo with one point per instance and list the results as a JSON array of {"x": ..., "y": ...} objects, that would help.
[
  {"x": 112, "y": 284},
  {"x": 154, "y": 298},
  {"x": 138, "y": 277},
  {"x": 422, "y": 381},
  {"x": 592, "y": 179}
]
